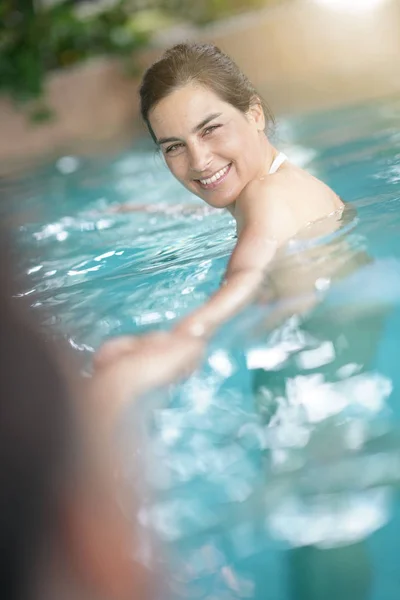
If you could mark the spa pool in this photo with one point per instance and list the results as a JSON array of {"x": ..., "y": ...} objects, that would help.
[{"x": 274, "y": 470}]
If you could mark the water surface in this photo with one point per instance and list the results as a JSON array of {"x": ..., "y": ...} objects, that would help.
[{"x": 274, "y": 469}]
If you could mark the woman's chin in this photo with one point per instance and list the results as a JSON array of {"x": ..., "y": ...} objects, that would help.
[{"x": 217, "y": 198}]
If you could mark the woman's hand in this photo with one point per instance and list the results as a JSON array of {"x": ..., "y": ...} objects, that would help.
[{"x": 129, "y": 366}]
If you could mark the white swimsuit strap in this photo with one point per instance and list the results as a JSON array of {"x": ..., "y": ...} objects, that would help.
[{"x": 277, "y": 162}]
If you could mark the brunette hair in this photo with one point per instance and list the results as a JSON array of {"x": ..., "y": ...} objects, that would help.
[{"x": 204, "y": 64}]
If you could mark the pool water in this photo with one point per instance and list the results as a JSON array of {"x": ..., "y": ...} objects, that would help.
[{"x": 273, "y": 470}]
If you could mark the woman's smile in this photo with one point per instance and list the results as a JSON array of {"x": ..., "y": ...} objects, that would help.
[{"x": 211, "y": 183}]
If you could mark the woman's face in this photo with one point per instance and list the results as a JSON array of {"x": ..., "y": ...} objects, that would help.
[{"x": 210, "y": 146}]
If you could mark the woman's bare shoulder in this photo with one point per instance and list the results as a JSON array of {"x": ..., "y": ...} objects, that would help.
[
  {"x": 307, "y": 195},
  {"x": 291, "y": 196}
]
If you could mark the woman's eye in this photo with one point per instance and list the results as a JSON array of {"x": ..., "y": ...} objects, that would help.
[
  {"x": 173, "y": 149},
  {"x": 210, "y": 129}
]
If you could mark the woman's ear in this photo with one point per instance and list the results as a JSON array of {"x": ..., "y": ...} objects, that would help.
[{"x": 256, "y": 113}]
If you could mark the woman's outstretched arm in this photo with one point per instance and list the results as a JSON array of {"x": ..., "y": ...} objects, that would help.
[
  {"x": 245, "y": 272},
  {"x": 266, "y": 225}
]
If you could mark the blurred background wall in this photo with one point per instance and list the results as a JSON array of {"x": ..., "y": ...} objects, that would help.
[
  {"x": 68, "y": 89},
  {"x": 309, "y": 55}
]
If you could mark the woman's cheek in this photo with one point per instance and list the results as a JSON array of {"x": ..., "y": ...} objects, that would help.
[
  {"x": 176, "y": 167},
  {"x": 229, "y": 143}
]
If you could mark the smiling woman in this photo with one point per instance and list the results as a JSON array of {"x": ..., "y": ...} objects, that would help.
[
  {"x": 210, "y": 124},
  {"x": 207, "y": 142}
]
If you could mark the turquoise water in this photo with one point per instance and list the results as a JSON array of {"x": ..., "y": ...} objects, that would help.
[{"x": 274, "y": 469}]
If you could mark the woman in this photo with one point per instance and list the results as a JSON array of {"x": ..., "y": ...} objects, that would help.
[{"x": 209, "y": 123}]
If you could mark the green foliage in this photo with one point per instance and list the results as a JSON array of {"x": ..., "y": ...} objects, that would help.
[
  {"x": 36, "y": 41},
  {"x": 202, "y": 12}
]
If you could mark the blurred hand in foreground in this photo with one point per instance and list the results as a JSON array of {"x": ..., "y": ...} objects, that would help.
[{"x": 129, "y": 366}]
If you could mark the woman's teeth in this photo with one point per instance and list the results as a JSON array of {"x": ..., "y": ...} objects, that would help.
[{"x": 215, "y": 177}]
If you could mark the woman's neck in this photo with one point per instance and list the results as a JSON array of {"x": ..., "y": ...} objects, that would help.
[
  {"x": 267, "y": 156},
  {"x": 268, "y": 153}
]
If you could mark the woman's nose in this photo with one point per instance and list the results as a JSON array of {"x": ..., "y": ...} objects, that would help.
[{"x": 200, "y": 157}]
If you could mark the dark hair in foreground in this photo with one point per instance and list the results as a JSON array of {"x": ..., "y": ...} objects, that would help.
[
  {"x": 204, "y": 64},
  {"x": 35, "y": 430}
]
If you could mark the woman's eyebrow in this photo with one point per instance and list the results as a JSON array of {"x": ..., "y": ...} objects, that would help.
[
  {"x": 194, "y": 130},
  {"x": 206, "y": 121}
]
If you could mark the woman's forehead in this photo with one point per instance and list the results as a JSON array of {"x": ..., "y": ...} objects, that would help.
[{"x": 186, "y": 106}]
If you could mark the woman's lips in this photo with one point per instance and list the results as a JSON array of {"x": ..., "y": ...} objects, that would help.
[{"x": 214, "y": 184}]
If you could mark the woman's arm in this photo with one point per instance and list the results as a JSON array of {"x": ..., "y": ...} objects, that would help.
[
  {"x": 267, "y": 223},
  {"x": 245, "y": 272}
]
